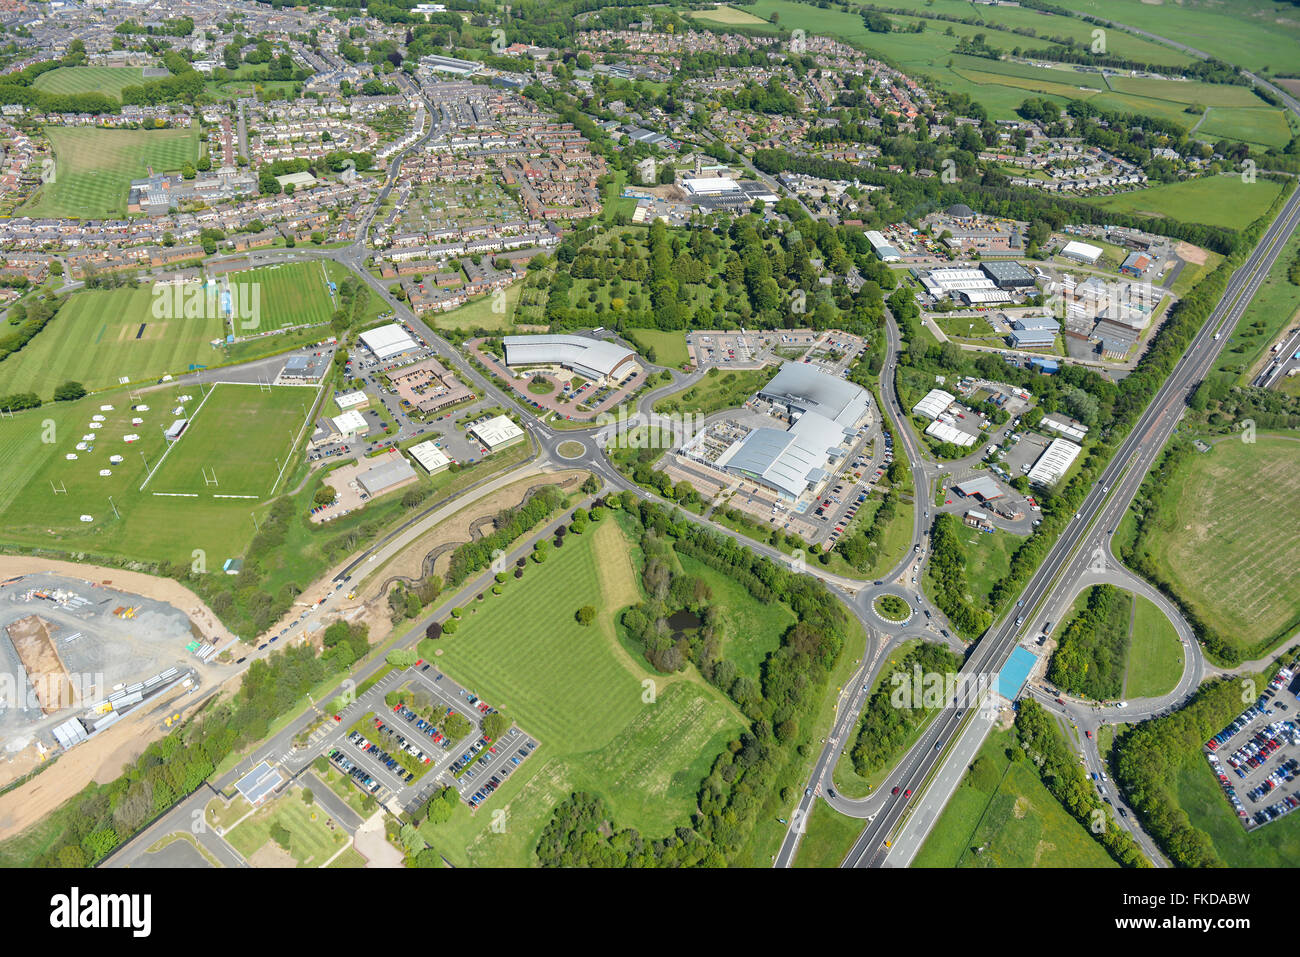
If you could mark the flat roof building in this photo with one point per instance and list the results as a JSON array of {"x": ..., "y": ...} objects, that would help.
[
  {"x": 303, "y": 368},
  {"x": 351, "y": 422},
  {"x": 1069, "y": 428},
  {"x": 880, "y": 246},
  {"x": 709, "y": 185},
  {"x": 1008, "y": 275},
  {"x": 947, "y": 432},
  {"x": 1054, "y": 462},
  {"x": 825, "y": 413},
  {"x": 801, "y": 389},
  {"x": 429, "y": 457},
  {"x": 386, "y": 476},
  {"x": 497, "y": 433},
  {"x": 789, "y": 462},
  {"x": 982, "y": 488},
  {"x": 1081, "y": 252},
  {"x": 388, "y": 341}
]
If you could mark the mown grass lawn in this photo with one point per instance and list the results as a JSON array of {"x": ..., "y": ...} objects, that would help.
[
  {"x": 1155, "y": 655},
  {"x": 582, "y": 696},
  {"x": 1218, "y": 545}
]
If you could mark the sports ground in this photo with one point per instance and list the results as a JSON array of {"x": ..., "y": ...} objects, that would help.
[
  {"x": 1223, "y": 542},
  {"x": 236, "y": 444},
  {"x": 288, "y": 294},
  {"x": 93, "y": 168},
  {"x": 124, "y": 521},
  {"x": 101, "y": 336},
  {"x": 109, "y": 80}
]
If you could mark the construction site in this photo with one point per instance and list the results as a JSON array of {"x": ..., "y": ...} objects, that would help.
[{"x": 76, "y": 656}]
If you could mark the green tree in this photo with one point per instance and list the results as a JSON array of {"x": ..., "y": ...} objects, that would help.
[{"x": 401, "y": 657}]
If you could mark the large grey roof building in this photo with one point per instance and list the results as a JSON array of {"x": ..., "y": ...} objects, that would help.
[
  {"x": 802, "y": 389},
  {"x": 594, "y": 358},
  {"x": 825, "y": 412}
]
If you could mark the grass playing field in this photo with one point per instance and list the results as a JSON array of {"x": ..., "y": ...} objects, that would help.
[
  {"x": 96, "y": 339},
  {"x": 109, "y": 80},
  {"x": 240, "y": 434},
  {"x": 1223, "y": 544},
  {"x": 580, "y": 694},
  {"x": 286, "y": 294},
  {"x": 1003, "y": 807},
  {"x": 1212, "y": 200},
  {"x": 34, "y": 446},
  {"x": 93, "y": 168}
]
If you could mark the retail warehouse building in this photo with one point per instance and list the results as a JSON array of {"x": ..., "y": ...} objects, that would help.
[{"x": 824, "y": 415}]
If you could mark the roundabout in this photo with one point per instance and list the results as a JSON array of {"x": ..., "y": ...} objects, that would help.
[
  {"x": 891, "y": 608},
  {"x": 571, "y": 449}
]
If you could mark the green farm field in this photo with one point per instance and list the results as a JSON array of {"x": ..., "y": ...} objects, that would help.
[
  {"x": 1256, "y": 34},
  {"x": 109, "y": 80},
  {"x": 96, "y": 340},
  {"x": 723, "y": 13},
  {"x": 1220, "y": 546},
  {"x": 1212, "y": 200},
  {"x": 93, "y": 168},
  {"x": 1003, "y": 807},
  {"x": 579, "y": 693},
  {"x": 1001, "y": 85},
  {"x": 237, "y": 432}
]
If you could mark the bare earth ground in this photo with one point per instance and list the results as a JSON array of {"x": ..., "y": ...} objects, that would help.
[
  {"x": 123, "y": 742},
  {"x": 150, "y": 586},
  {"x": 409, "y": 563},
  {"x": 24, "y": 806},
  {"x": 1191, "y": 254}
]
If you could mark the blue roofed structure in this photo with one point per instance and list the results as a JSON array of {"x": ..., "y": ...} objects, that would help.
[{"x": 1015, "y": 672}]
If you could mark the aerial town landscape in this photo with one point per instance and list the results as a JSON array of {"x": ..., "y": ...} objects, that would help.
[{"x": 551, "y": 434}]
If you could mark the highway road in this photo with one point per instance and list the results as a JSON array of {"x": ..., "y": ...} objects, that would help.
[{"x": 1096, "y": 517}]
